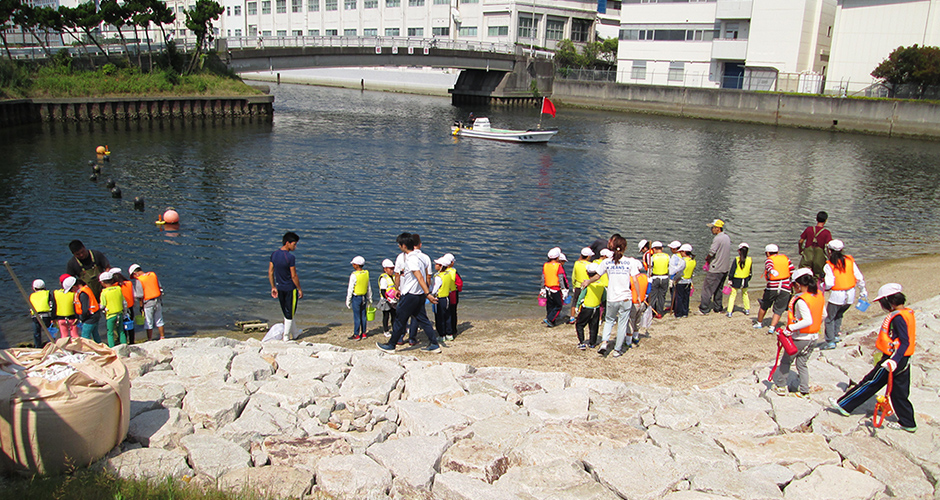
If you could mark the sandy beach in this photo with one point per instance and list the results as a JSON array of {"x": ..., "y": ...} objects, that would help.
[{"x": 698, "y": 351}]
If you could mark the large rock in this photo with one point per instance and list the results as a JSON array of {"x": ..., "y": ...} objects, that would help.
[
  {"x": 153, "y": 464},
  {"x": 786, "y": 449},
  {"x": 258, "y": 421},
  {"x": 413, "y": 459},
  {"x": 735, "y": 484},
  {"x": 921, "y": 447},
  {"x": 427, "y": 419},
  {"x": 294, "y": 395},
  {"x": 638, "y": 471},
  {"x": 481, "y": 406},
  {"x": 196, "y": 362},
  {"x": 692, "y": 451},
  {"x": 476, "y": 459},
  {"x": 558, "y": 405},
  {"x": 886, "y": 464},
  {"x": 297, "y": 365},
  {"x": 145, "y": 397},
  {"x": 456, "y": 486},
  {"x": 213, "y": 404},
  {"x": 623, "y": 407},
  {"x": 371, "y": 379},
  {"x": 271, "y": 481},
  {"x": 570, "y": 442},
  {"x": 599, "y": 385},
  {"x": 161, "y": 428},
  {"x": 501, "y": 382},
  {"x": 352, "y": 477},
  {"x": 213, "y": 456},
  {"x": 250, "y": 366},
  {"x": 684, "y": 411},
  {"x": 793, "y": 414},
  {"x": 831, "y": 481},
  {"x": 303, "y": 453},
  {"x": 829, "y": 424},
  {"x": 434, "y": 383},
  {"x": 555, "y": 481},
  {"x": 504, "y": 431}
]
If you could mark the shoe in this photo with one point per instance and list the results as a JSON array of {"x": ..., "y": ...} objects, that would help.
[
  {"x": 636, "y": 341},
  {"x": 433, "y": 348},
  {"x": 363, "y": 336},
  {"x": 602, "y": 351},
  {"x": 701, "y": 313},
  {"x": 353, "y": 337},
  {"x": 825, "y": 346},
  {"x": 838, "y": 339},
  {"x": 547, "y": 323},
  {"x": 658, "y": 316},
  {"x": 836, "y": 407},
  {"x": 388, "y": 334},
  {"x": 728, "y": 315},
  {"x": 801, "y": 395},
  {"x": 572, "y": 321},
  {"x": 781, "y": 390},
  {"x": 581, "y": 346},
  {"x": 412, "y": 342},
  {"x": 771, "y": 331},
  {"x": 747, "y": 311},
  {"x": 617, "y": 353},
  {"x": 385, "y": 347},
  {"x": 898, "y": 427},
  {"x": 401, "y": 342},
  {"x": 448, "y": 338},
  {"x": 757, "y": 325}
]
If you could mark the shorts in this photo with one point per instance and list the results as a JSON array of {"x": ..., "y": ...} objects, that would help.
[
  {"x": 776, "y": 297},
  {"x": 153, "y": 313}
]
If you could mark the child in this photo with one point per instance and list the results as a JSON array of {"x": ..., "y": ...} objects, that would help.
[
  {"x": 358, "y": 297},
  {"x": 388, "y": 296},
  {"x": 64, "y": 307},
  {"x": 553, "y": 277},
  {"x": 895, "y": 345},
  {"x": 684, "y": 282},
  {"x": 112, "y": 303},
  {"x": 578, "y": 275},
  {"x": 455, "y": 293},
  {"x": 443, "y": 285},
  {"x": 152, "y": 299},
  {"x": 740, "y": 276},
  {"x": 88, "y": 310},
  {"x": 807, "y": 309},
  {"x": 842, "y": 276},
  {"x": 639, "y": 286},
  {"x": 589, "y": 302},
  {"x": 41, "y": 301},
  {"x": 128, "y": 289},
  {"x": 777, "y": 271}
]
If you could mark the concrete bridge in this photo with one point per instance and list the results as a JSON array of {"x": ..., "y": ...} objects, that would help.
[{"x": 491, "y": 72}]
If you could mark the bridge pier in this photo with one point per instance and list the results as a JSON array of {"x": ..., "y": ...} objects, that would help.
[{"x": 529, "y": 79}]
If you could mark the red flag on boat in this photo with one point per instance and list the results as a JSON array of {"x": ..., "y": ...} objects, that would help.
[{"x": 548, "y": 108}]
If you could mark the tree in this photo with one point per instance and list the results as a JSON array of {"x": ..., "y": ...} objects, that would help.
[
  {"x": 7, "y": 9},
  {"x": 915, "y": 65},
  {"x": 199, "y": 20},
  {"x": 87, "y": 19},
  {"x": 116, "y": 15}
]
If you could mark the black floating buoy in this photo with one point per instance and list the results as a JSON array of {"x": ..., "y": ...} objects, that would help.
[
  {"x": 139, "y": 203},
  {"x": 93, "y": 177},
  {"x": 96, "y": 168},
  {"x": 91, "y": 163},
  {"x": 110, "y": 183},
  {"x": 115, "y": 192}
]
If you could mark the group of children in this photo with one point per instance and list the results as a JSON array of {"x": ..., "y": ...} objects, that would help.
[{"x": 75, "y": 309}]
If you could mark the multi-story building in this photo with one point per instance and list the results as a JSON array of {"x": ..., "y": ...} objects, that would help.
[
  {"x": 867, "y": 31},
  {"x": 750, "y": 44}
]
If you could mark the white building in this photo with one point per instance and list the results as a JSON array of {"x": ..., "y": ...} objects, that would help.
[
  {"x": 750, "y": 44},
  {"x": 866, "y": 31}
]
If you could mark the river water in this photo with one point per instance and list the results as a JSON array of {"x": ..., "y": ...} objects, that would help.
[{"x": 349, "y": 171}]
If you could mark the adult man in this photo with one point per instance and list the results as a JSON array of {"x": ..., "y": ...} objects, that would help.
[
  {"x": 718, "y": 261},
  {"x": 87, "y": 265},
  {"x": 285, "y": 285},
  {"x": 151, "y": 299},
  {"x": 413, "y": 286},
  {"x": 813, "y": 243},
  {"x": 777, "y": 272},
  {"x": 428, "y": 273}
]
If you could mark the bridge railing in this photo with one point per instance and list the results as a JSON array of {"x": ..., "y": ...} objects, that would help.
[{"x": 260, "y": 42}]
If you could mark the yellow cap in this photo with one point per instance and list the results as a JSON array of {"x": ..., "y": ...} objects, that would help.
[{"x": 717, "y": 223}]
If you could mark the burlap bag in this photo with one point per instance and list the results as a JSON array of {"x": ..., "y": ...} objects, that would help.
[{"x": 48, "y": 426}]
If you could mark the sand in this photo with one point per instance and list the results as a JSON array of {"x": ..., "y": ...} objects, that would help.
[{"x": 697, "y": 350}]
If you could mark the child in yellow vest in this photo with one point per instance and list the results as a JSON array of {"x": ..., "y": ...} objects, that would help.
[
  {"x": 388, "y": 296},
  {"x": 359, "y": 297},
  {"x": 579, "y": 274},
  {"x": 739, "y": 276},
  {"x": 589, "y": 302},
  {"x": 443, "y": 286},
  {"x": 41, "y": 301},
  {"x": 113, "y": 305}
]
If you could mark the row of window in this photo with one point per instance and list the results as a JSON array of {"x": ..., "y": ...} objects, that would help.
[
  {"x": 704, "y": 35},
  {"x": 280, "y": 6},
  {"x": 416, "y": 32},
  {"x": 675, "y": 74}
]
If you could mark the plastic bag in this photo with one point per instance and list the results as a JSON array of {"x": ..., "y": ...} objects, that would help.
[
  {"x": 276, "y": 332},
  {"x": 647, "y": 319}
]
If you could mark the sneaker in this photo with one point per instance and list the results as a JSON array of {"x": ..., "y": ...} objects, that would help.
[
  {"x": 838, "y": 339},
  {"x": 603, "y": 350},
  {"x": 617, "y": 353},
  {"x": 401, "y": 342},
  {"x": 747, "y": 311},
  {"x": 701, "y": 313},
  {"x": 448, "y": 338},
  {"x": 836, "y": 407},
  {"x": 757, "y": 325},
  {"x": 547, "y": 323},
  {"x": 387, "y": 334},
  {"x": 363, "y": 336},
  {"x": 385, "y": 347},
  {"x": 636, "y": 341},
  {"x": 353, "y": 337},
  {"x": 582, "y": 346},
  {"x": 898, "y": 427},
  {"x": 412, "y": 342},
  {"x": 781, "y": 390},
  {"x": 801, "y": 395},
  {"x": 771, "y": 331},
  {"x": 433, "y": 348},
  {"x": 572, "y": 321},
  {"x": 728, "y": 315},
  {"x": 825, "y": 346}
]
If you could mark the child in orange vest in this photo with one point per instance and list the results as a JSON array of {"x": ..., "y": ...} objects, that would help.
[
  {"x": 807, "y": 310},
  {"x": 553, "y": 277}
]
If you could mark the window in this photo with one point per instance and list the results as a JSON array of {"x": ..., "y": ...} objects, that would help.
[
  {"x": 700, "y": 35},
  {"x": 281, "y": 6},
  {"x": 370, "y": 4},
  {"x": 370, "y": 32},
  {"x": 237, "y": 10},
  {"x": 229, "y": 33},
  {"x": 392, "y": 31},
  {"x": 445, "y": 31},
  {"x": 281, "y": 32},
  {"x": 441, "y": 2},
  {"x": 415, "y": 31},
  {"x": 266, "y": 6},
  {"x": 416, "y": 3},
  {"x": 467, "y": 31},
  {"x": 331, "y": 32},
  {"x": 313, "y": 5},
  {"x": 676, "y": 71},
  {"x": 469, "y": 1},
  {"x": 313, "y": 32},
  {"x": 669, "y": 35},
  {"x": 266, "y": 33},
  {"x": 580, "y": 30},
  {"x": 636, "y": 34},
  {"x": 731, "y": 31},
  {"x": 527, "y": 29},
  {"x": 297, "y": 33},
  {"x": 252, "y": 30},
  {"x": 296, "y": 5},
  {"x": 498, "y": 31},
  {"x": 349, "y": 32},
  {"x": 349, "y": 4},
  {"x": 638, "y": 72},
  {"x": 554, "y": 30},
  {"x": 228, "y": 11},
  {"x": 252, "y": 8},
  {"x": 393, "y": 3},
  {"x": 331, "y": 5}
]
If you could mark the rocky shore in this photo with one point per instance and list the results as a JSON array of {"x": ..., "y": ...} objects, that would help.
[{"x": 295, "y": 419}]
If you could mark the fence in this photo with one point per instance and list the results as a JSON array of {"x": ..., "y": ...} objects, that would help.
[
  {"x": 804, "y": 83},
  {"x": 587, "y": 75}
]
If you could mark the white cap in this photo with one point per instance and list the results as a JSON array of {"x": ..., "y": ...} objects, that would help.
[
  {"x": 606, "y": 252},
  {"x": 451, "y": 258},
  {"x": 803, "y": 271},
  {"x": 105, "y": 276},
  {"x": 358, "y": 260},
  {"x": 68, "y": 283},
  {"x": 685, "y": 248},
  {"x": 554, "y": 253},
  {"x": 39, "y": 284},
  {"x": 743, "y": 245},
  {"x": 587, "y": 252},
  {"x": 591, "y": 268},
  {"x": 886, "y": 290},
  {"x": 657, "y": 244},
  {"x": 836, "y": 245},
  {"x": 115, "y": 270},
  {"x": 675, "y": 245},
  {"x": 388, "y": 263},
  {"x": 133, "y": 269},
  {"x": 444, "y": 261},
  {"x": 771, "y": 248},
  {"x": 641, "y": 244},
  {"x": 563, "y": 257}
]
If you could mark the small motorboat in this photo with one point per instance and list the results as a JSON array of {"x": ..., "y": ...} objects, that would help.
[{"x": 480, "y": 128}]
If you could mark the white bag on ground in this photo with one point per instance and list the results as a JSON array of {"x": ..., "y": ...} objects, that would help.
[
  {"x": 647, "y": 319},
  {"x": 276, "y": 332}
]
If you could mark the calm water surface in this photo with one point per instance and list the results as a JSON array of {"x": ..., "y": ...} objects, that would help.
[{"x": 349, "y": 171}]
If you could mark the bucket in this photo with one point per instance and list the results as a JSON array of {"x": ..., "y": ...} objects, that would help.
[
  {"x": 543, "y": 301},
  {"x": 726, "y": 290},
  {"x": 370, "y": 314},
  {"x": 862, "y": 305}
]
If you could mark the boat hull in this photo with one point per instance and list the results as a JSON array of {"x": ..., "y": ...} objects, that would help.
[{"x": 506, "y": 135}]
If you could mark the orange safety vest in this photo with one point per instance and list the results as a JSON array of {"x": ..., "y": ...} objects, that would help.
[
  {"x": 816, "y": 305},
  {"x": 92, "y": 301},
  {"x": 887, "y": 344},
  {"x": 638, "y": 288},
  {"x": 127, "y": 290},
  {"x": 150, "y": 284},
  {"x": 844, "y": 280},
  {"x": 781, "y": 264},
  {"x": 550, "y": 270}
]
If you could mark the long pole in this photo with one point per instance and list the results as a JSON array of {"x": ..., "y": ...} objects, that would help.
[
  {"x": 26, "y": 298},
  {"x": 541, "y": 108}
]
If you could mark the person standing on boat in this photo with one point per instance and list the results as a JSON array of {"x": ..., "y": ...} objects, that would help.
[
  {"x": 285, "y": 285},
  {"x": 718, "y": 262},
  {"x": 812, "y": 245},
  {"x": 87, "y": 265}
]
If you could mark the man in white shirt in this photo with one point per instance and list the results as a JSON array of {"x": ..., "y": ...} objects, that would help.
[{"x": 413, "y": 288}]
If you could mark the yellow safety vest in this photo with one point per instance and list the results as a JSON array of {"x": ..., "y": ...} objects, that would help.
[
  {"x": 112, "y": 300},
  {"x": 689, "y": 268},
  {"x": 64, "y": 306},
  {"x": 40, "y": 301},
  {"x": 389, "y": 281},
  {"x": 362, "y": 282},
  {"x": 660, "y": 265},
  {"x": 579, "y": 273},
  {"x": 741, "y": 273},
  {"x": 593, "y": 294},
  {"x": 447, "y": 284}
]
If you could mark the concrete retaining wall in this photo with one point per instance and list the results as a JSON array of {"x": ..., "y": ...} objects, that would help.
[{"x": 882, "y": 117}]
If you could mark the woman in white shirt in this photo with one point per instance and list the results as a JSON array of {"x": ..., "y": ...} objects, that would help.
[{"x": 619, "y": 270}]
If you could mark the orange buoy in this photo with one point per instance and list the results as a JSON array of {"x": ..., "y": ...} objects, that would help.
[
  {"x": 171, "y": 216},
  {"x": 100, "y": 150}
]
